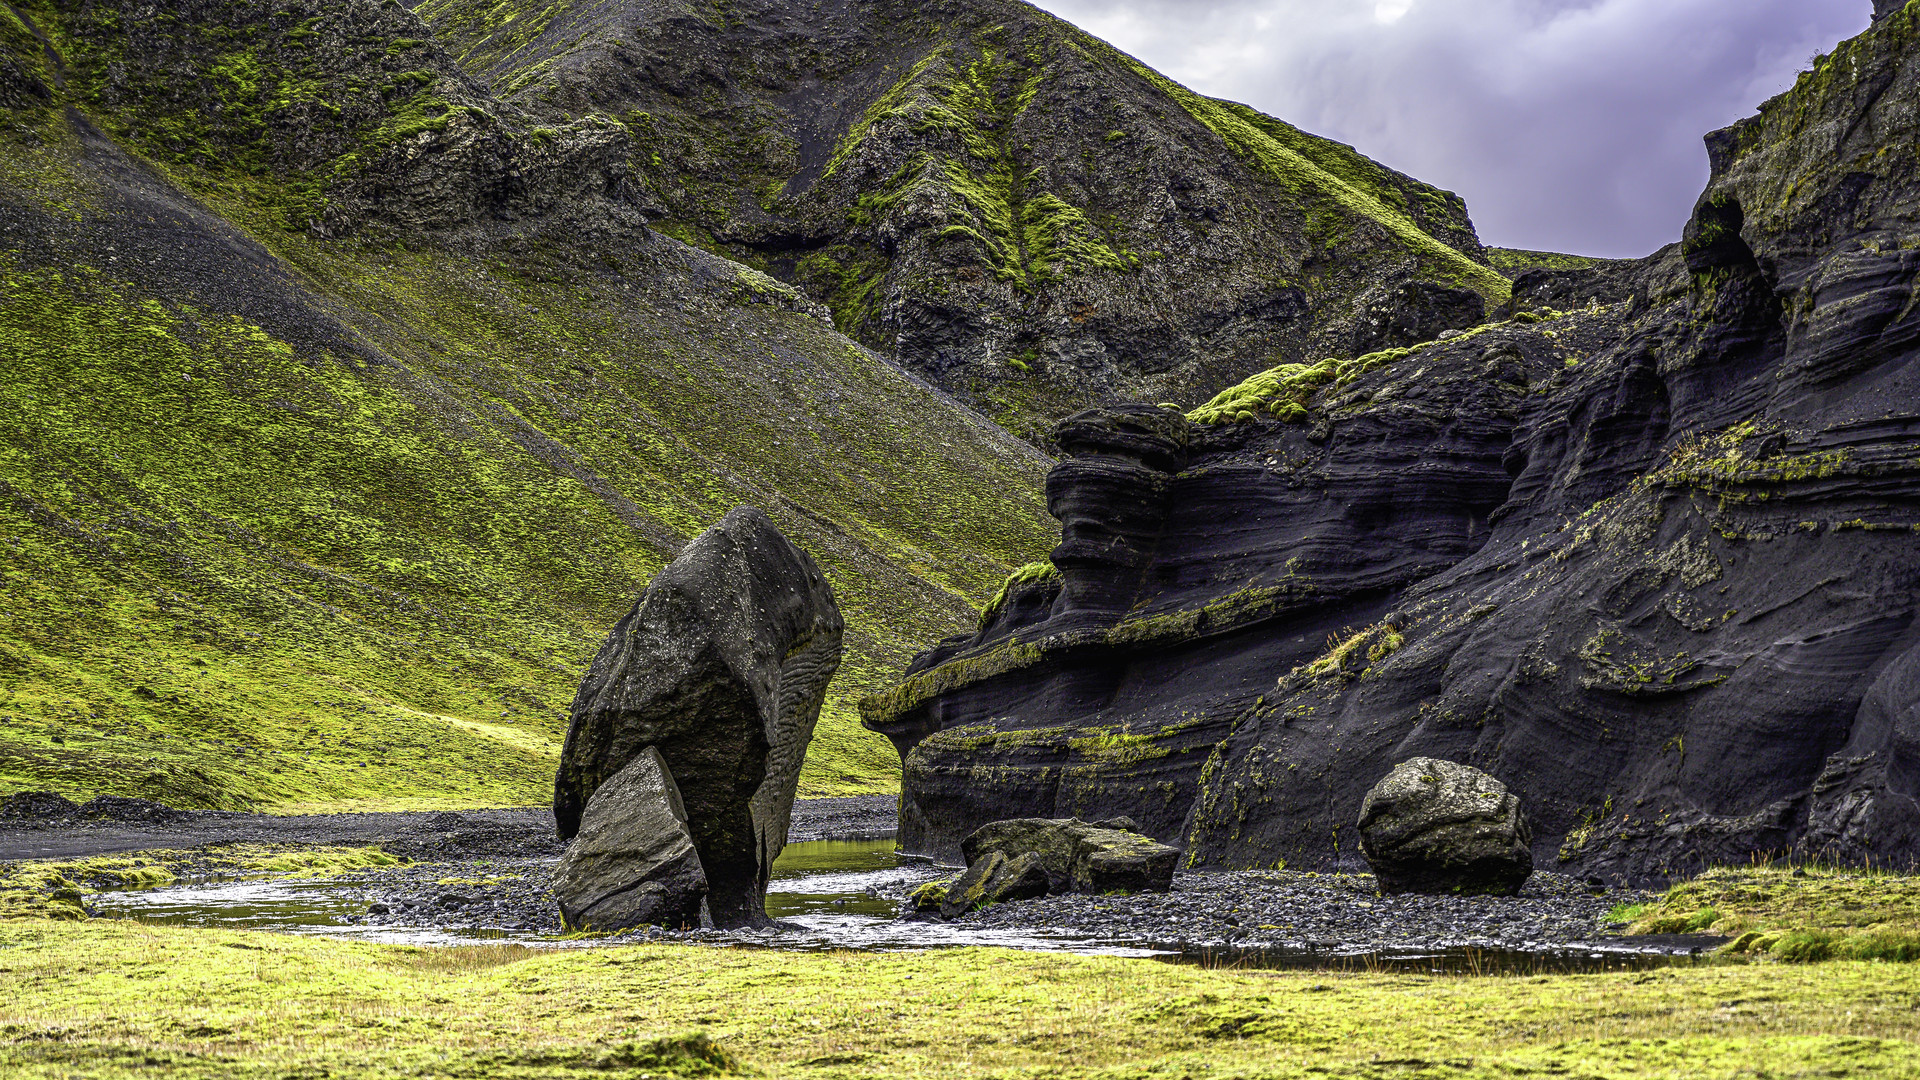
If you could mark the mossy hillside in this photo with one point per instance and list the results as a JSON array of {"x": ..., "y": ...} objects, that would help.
[
  {"x": 1786, "y": 912},
  {"x": 245, "y": 572},
  {"x": 386, "y": 597},
  {"x": 331, "y": 116},
  {"x": 1515, "y": 261},
  {"x": 306, "y": 93},
  {"x": 122, "y": 999},
  {"x": 981, "y": 189},
  {"x": 1315, "y": 170},
  {"x": 966, "y": 104},
  {"x": 54, "y": 888}
]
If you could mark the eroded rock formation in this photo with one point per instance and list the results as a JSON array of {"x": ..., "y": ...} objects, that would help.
[
  {"x": 721, "y": 668},
  {"x": 1651, "y": 561}
]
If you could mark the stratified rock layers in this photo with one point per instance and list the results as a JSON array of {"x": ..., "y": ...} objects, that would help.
[
  {"x": 721, "y": 666},
  {"x": 1653, "y": 563}
]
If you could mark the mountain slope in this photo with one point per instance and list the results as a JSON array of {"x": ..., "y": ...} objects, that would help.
[
  {"x": 348, "y": 407},
  {"x": 1012, "y": 208}
]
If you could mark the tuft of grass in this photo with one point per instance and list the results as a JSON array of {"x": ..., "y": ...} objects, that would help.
[
  {"x": 1029, "y": 574},
  {"x": 1798, "y": 913},
  {"x": 1286, "y": 392}
]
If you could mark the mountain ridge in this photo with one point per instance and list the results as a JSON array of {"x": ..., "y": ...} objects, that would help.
[{"x": 1010, "y": 207}]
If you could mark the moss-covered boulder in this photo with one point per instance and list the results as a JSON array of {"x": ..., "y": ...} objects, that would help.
[
  {"x": 1077, "y": 856},
  {"x": 1435, "y": 826},
  {"x": 996, "y": 879}
]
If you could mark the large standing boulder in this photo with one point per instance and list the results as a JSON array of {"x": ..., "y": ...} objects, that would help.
[
  {"x": 1079, "y": 856},
  {"x": 722, "y": 667},
  {"x": 1435, "y": 826},
  {"x": 633, "y": 861}
]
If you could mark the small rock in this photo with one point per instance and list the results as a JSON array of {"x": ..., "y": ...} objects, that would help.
[{"x": 1435, "y": 826}]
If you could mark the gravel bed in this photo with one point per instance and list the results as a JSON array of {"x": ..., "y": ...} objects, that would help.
[
  {"x": 859, "y": 817},
  {"x": 1286, "y": 910}
]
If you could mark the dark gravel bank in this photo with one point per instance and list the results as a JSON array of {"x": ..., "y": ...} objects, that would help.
[
  {"x": 1288, "y": 911},
  {"x": 38, "y": 828}
]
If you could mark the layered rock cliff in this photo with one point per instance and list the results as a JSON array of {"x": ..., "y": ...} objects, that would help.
[
  {"x": 1652, "y": 561},
  {"x": 1008, "y": 206}
]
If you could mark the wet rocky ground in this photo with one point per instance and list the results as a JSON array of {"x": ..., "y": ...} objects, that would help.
[
  {"x": 489, "y": 870},
  {"x": 42, "y": 826},
  {"x": 1257, "y": 909},
  {"x": 1247, "y": 911}
]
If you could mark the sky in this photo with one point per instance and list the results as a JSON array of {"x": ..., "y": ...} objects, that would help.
[{"x": 1568, "y": 125}]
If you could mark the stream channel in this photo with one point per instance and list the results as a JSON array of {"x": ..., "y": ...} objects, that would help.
[{"x": 831, "y": 894}]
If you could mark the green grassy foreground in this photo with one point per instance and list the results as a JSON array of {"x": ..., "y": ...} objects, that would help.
[
  {"x": 109, "y": 999},
  {"x": 1794, "y": 912}
]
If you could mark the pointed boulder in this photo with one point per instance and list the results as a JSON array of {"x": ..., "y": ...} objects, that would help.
[
  {"x": 634, "y": 861},
  {"x": 722, "y": 667}
]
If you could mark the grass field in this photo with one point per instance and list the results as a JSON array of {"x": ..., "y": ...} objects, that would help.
[{"x": 107, "y": 999}]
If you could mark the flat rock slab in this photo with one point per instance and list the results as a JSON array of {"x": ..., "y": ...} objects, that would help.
[
  {"x": 1079, "y": 856},
  {"x": 634, "y": 862}
]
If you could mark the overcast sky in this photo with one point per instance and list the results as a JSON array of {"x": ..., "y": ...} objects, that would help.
[{"x": 1568, "y": 125}]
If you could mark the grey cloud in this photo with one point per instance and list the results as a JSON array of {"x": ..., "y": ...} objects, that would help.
[{"x": 1568, "y": 125}]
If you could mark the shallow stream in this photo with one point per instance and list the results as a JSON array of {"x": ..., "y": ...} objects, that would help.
[{"x": 832, "y": 894}]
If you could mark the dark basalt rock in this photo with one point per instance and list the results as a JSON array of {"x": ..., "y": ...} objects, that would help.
[
  {"x": 996, "y": 878},
  {"x": 1651, "y": 562},
  {"x": 722, "y": 667},
  {"x": 38, "y": 806},
  {"x": 129, "y": 811},
  {"x": 1433, "y": 826},
  {"x": 633, "y": 861},
  {"x": 1567, "y": 290},
  {"x": 1411, "y": 312},
  {"x": 1076, "y": 855}
]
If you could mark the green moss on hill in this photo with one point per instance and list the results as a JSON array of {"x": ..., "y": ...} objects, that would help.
[
  {"x": 339, "y": 523},
  {"x": 1515, "y": 261},
  {"x": 1317, "y": 170}
]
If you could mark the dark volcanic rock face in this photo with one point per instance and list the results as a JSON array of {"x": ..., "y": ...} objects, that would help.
[
  {"x": 721, "y": 666},
  {"x": 1652, "y": 562},
  {"x": 1013, "y": 209}
]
